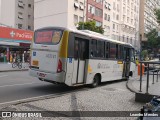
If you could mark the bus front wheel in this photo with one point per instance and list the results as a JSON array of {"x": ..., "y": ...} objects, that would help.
[{"x": 96, "y": 81}]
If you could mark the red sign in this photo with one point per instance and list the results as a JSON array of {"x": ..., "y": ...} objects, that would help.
[
  {"x": 15, "y": 34},
  {"x": 44, "y": 37}
]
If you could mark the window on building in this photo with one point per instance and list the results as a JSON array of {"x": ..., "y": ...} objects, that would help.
[
  {"x": 80, "y": 19},
  {"x": 29, "y": 16},
  {"x": 105, "y": 16},
  {"x": 91, "y": 9},
  {"x": 98, "y": 23},
  {"x": 98, "y": 12},
  {"x": 20, "y": 26},
  {"x": 109, "y": 18},
  {"x": 29, "y": 27},
  {"x": 114, "y": 16},
  {"x": 114, "y": 6},
  {"x": 117, "y": 28},
  {"x": 75, "y": 19},
  {"x": 127, "y": 19},
  {"x": 114, "y": 26},
  {"x": 117, "y": 7},
  {"x": 124, "y": 17},
  {"x": 20, "y": 4},
  {"x": 99, "y": 1},
  {"x": 29, "y": 5},
  {"x": 117, "y": 17}
]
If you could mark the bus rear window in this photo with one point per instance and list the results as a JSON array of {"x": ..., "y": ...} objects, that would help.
[{"x": 48, "y": 36}]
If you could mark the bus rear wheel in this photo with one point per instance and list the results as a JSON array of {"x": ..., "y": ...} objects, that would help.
[{"x": 96, "y": 81}]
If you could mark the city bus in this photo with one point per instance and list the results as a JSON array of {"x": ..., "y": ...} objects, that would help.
[{"x": 78, "y": 57}]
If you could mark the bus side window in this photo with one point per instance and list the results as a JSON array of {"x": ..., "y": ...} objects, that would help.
[
  {"x": 119, "y": 52},
  {"x": 93, "y": 48},
  {"x": 71, "y": 45},
  {"x": 132, "y": 55},
  {"x": 100, "y": 49},
  {"x": 112, "y": 51},
  {"x": 107, "y": 49},
  {"x": 76, "y": 49}
]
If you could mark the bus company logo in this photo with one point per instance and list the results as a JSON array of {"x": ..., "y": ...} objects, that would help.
[
  {"x": 103, "y": 66},
  {"x": 6, "y": 114}
]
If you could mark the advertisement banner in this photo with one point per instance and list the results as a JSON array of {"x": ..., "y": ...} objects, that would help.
[{"x": 15, "y": 34}]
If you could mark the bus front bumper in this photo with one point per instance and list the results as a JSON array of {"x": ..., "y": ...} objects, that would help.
[{"x": 49, "y": 77}]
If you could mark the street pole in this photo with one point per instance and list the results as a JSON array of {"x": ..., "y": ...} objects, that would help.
[{"x": 83, "y": 15}]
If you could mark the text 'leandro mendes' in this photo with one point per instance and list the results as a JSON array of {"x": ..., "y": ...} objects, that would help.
[{"x": 145, "y": 114}]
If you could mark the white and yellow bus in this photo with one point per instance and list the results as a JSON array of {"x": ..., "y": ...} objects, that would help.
[{"x": 74, "y": 57}]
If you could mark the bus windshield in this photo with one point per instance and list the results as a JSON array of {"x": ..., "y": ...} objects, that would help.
[{"x": 48, "y": 36}]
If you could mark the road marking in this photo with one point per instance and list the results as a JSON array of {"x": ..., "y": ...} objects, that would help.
[
  {"x": 17, "y": 84},
  {"x": 3, "y": 76}
]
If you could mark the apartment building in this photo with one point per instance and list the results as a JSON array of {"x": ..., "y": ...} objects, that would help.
[
  {"x": 119, "y": 18},
  {"x": 107, "y": 18},
  {"x": 54, "y": 13},
  {"x": 148, "y": 20},
  {"x": 17, "y": 14},
  {"x": 125, "y": 21}
]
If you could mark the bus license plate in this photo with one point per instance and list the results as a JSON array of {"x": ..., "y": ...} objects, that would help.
[
  {"x": 35, "y": 63},
  {"x": 41, "y": 75}
]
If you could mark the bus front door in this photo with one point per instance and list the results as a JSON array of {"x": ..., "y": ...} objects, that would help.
[
  {"x": 126, "y": 68},
  {"x": 80, "y": 54}
]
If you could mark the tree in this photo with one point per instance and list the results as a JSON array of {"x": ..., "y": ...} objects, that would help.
[
  {"x": 90, "y": 25},
  {"x": 153, "y": 40},
  {"x": 157, "y": 13},
  {"x": 144, "y": 54}
]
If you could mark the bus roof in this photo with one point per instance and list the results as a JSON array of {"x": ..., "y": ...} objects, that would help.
[
  {"x": 89, "y": 34},
  {"x": 97, "y": 35}
]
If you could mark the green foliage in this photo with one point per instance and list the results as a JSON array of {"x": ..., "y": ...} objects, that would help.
[
  {"x": 144, "y": 53},
  {"x": 90, "y": 25},
  {"x": 157, "y": 13},
  {"x": 153, "y": 40}
]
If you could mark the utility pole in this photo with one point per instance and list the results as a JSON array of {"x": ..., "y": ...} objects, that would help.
[{"x": 83, "y": 15}]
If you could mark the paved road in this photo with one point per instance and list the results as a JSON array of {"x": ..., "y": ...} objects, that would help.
[
  {"x": 19, "y": 85},
  {"x": 108, "y": 97}
]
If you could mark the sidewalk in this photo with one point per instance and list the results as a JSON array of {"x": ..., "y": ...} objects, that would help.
[
  {"x": 7, "y": 67},
  {"x": 133, "y": 84},
  {"x": 154, "y": 89}
]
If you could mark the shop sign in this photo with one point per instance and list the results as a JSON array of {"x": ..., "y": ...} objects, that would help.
[{"x": 15, "y": 34}]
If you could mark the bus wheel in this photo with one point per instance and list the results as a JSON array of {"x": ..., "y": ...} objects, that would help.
[{"x": 95, "y": 81}]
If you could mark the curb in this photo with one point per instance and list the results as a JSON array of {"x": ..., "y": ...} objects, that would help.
[
  {"x": 14, "y": 70},
  {"x": 130, "y": 86}
]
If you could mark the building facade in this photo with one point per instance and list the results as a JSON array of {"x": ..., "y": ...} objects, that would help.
[
  {"x": 54, "y": 13},
  {"x": 148, "y": 20},
  {"x": 17, "y": 14},
  {"x": 119, "y": 18},
  {"x": 123, "y": 20}
]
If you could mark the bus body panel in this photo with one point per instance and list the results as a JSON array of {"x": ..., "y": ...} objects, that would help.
[
  {"x": 133, "y": 68},
  {"x": 52, "y": 77},
  {"x": 45, "y": 60},
  {"x": 109, "y": 70}
]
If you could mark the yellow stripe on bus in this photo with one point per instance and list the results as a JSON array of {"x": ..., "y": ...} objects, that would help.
[{"x": 63, "y": 52}]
